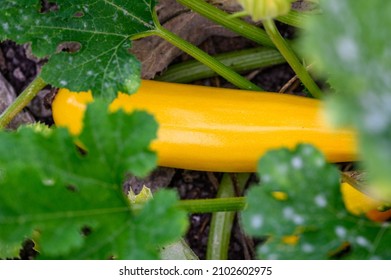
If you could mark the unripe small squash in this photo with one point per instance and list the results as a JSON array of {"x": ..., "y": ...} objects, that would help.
[
  {"x": 265, "y": 9},
  {"x": 216, "y": 129},
  {"x": 359, "y": 204}
]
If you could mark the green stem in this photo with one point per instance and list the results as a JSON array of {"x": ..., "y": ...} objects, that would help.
[
  {"x": 203, "y": 57},
  {"x": 294, "y": 18},
  {"x": 222, "y": 18},
  {"x": 291, "y": 58},
  {"x": 222, "y": 222},
  {"x": 206, "y": 59},
  {"x": 239, "y": 61},
  {"x": 213, "y": 205},
  {"x": 22, "y": 101}
]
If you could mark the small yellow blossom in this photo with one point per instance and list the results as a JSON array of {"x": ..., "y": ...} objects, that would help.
[{"x": 265, "y": 9}]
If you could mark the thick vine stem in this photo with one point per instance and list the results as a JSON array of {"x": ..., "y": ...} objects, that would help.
[
  {"x": 207, "y": 205},
  {"x": 240, "y": 61},
  {"x": 22, "y": 101},
  {"x": 221, "y": 69},
  {"x": 291, "y": 58},
  {"x": 211, "y": 205},
  {"x": 218, "y": 67},
  {"x": 237, "y": 25},
  {"x": 222, "y": 222},
  {"x": 294, "y": 18}
]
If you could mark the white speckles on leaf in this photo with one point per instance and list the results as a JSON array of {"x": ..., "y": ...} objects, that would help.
[
  {"x": 307, "y": 248},
  {"x": 298, "y": 220},
  {"x": 272, "y": 257},
  {"x": 320, "y": 200},
  {"x": 377, "y": 111},
  {"x": 48, "y": 182},
  {"x": 362, "y": 241},
  {"x": 288, "y": 212},
  {"x": 256, "y": 221},
  {"x": 104, "y": 46},
  {"x": 347, "y": 49},
  {"x": 340, "y": 231},
  {"x": 337, "y": 7},
  {"x": 115, "y": 17},
  {"x": 266, "y": 178},
  {"x": 307, "y": 150},
  {"x": 264, "y": 249},
  {"x": 319, "y": 162},
  {"x": 314, "y": 212},
  {"x": 290, "y": 215},
  {"x": 63, "y": 83},
  {"x": 282, "y": 169},
  {"x": 18, "y": 27},
  {"x": 375, "y": 122},
  {"x": 5, "y": 26},
  {"x": 297, "y": 162}
]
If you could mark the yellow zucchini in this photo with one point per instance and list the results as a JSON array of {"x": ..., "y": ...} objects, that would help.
[{"x": 216, "y": 129}]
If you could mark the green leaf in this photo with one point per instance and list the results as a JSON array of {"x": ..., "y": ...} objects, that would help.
[
  {"x": 350, "y": 44},
  {"x": 102, "y": 29},
  {"x": 72, "y": 203},
  {"x": 309, "y": 221}
]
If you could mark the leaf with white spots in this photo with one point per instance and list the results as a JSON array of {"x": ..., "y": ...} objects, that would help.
[
  {"x": 97, "y": 32},
  {"x": 300, "y": 211},
  {"x": 350, "y": 43}
]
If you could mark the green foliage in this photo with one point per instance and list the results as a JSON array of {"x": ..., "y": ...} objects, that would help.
[
  {"x": 309, "y": 221},
  {"x": 101, "y": 28},
  {"x": 70, "y": 200},
  {"x": 71, "y": 203},
  {"x": 350, "y": 44}
]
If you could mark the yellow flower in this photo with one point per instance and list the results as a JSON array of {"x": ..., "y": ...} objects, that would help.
[{"x": 265, "y": 9}]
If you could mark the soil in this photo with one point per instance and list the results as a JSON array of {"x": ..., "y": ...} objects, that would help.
[{"x": 19, "y": 68}]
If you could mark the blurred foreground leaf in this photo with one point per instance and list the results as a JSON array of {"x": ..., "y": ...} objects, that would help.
[
  {"x": 356, "y": 60},
  {"x": 299, "y": 209}
]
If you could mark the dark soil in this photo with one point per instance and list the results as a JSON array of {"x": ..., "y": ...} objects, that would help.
[{"x": 19, "y": 69}]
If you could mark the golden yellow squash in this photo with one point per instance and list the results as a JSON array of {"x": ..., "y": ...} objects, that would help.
[{"x": 215, "y": 129}]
